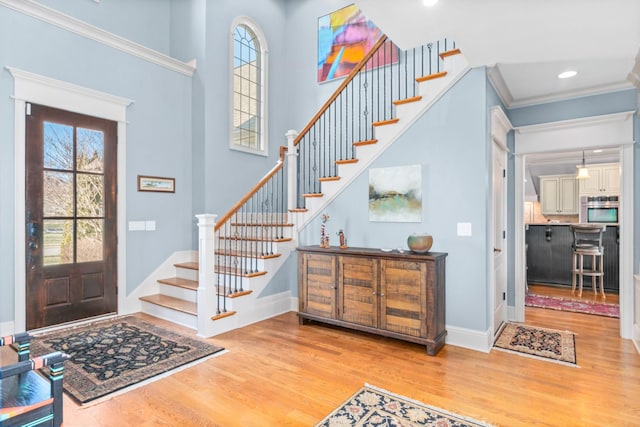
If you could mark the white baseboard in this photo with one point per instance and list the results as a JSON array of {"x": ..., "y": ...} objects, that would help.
[
  {"x": 469, "y": 338},
  {"x": 636, "y": 337},
  {"x": 267, "y": 307},
  {"x": 7, "y": 328}
]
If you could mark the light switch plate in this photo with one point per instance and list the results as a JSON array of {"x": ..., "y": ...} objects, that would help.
[
  {"x": 464, "y": 229},
  {"x": 150, "y": 225},
  {"x": 136, "y": 226}
]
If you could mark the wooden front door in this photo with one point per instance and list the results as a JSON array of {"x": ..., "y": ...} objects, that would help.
[{"x": 70, "y": 216}]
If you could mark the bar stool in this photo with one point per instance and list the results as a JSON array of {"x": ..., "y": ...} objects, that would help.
[{"x": 587, "y": 241}]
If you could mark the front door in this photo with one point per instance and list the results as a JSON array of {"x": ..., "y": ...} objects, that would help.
[{"x": 70, "y": 216}]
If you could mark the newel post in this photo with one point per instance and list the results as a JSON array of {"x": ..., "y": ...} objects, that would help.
[
  {"x": 292, "y": 170},
  {"x": 206, "y": 298}
]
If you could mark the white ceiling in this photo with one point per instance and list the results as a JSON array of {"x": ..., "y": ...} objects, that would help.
[{"x": 527, "y": 43}]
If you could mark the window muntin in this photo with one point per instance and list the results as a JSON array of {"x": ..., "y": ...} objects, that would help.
[{"x": 248, "y": 127}]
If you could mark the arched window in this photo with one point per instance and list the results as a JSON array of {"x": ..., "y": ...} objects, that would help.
[{"x": 248, "y": 74}]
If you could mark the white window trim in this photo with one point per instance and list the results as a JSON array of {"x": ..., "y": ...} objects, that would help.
[
  {"x": 264, "y": 52},
  {"x": 33, "y": 88}
]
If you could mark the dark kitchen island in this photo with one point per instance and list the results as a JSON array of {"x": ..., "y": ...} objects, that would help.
[{"x": 549, "y": 255}]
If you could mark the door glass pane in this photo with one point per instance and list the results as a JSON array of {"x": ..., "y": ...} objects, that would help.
[
  {"x": 90, "y": 195},
  {"x": 57, "y": 241},
  {"x": 90, "y": 150},
  {"x": 58, "y": 194},
  {"x": 89, "y": 240},
  {"x": 58, "y": 146}
]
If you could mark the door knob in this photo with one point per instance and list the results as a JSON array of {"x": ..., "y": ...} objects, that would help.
[
  {"x": 496, "y": 250},
  {"x": 33, "y": 245}
]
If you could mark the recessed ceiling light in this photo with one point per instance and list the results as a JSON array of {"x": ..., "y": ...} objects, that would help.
[
  {"x": 429, "y": 3},
  {"x": 567, "y": 74},
  {"x": 597, "y": 151}
]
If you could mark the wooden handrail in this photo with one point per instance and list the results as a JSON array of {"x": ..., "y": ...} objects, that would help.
[
  {"x": 253, "y": 190},
  {"x": 338, "y": 91}
]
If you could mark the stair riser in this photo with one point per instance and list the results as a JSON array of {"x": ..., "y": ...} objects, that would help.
[
  {"x": 177, "y": 292},
  {"x": 250, "y": 247},
  {"x": 174, "y": 316},
  {"x": 234, "y": 282},
  {"x": 256, "y": 232},
  {"x": 260, "y": 217},
  {"x": 248, "y": 264},
  {"x": 187, "y": 273}
]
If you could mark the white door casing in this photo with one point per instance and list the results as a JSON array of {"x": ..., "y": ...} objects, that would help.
[
  {"x": 29, "y": 87},
  {"x": 500, "y": 125},
  {"x": 606, "y": 131}
]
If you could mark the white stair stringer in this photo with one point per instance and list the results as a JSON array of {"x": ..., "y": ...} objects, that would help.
[
  {"x": 431, "y": 91},
  {"x": 252, "y": 308}
]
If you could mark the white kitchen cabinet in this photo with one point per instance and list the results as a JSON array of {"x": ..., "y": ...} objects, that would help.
[
  {"x": 559, "y": 195},
  {"x": 604, "y": 179}
]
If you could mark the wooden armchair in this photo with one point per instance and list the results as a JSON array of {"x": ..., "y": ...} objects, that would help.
[{"x": 27, "y": 395}]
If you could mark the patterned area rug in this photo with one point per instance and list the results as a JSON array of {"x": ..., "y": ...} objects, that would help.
[
  {"x": 374, "y": 407},
  {"x": 566, "y": 304},
  {"x": 112, "y": 355},
  {"x": 541, "y": 343}
]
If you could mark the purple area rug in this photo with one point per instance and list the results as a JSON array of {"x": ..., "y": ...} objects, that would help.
[{"x": 566, "y": 304}]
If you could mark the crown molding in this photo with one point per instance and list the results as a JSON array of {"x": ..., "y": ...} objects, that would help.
[
  {"x": 498, "y": 83},
  {"x": 563, "y": 96},
  {"x": 634, "y": 77},
  {"x": 74, "y": 25}
]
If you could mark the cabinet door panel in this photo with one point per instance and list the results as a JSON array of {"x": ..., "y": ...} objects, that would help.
[
  {"x": 357, "y": 279},
  {"x": 403, "y": 297},
  {"x": 319, "y": 278}
]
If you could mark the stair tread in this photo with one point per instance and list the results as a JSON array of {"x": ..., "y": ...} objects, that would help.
[
  {"x": 180, "y": 282},
  {"x": 313, "y": 195},
  {"x": 386, "y": 122},
  {"x": 248, "y": 255},
  {"x": 191, "y": 265},
  {"x": 329, "y": 178},
  {"x": 450, "y": 53},
  {"x": 367, "y": 142},
  {"x": 257, "y": 239},
  {"x": 346, "y": 161},
  {"x": 407, "y": 100},
  {"x": 172, "y": 303},
  {"x": 262, "y": 224},
  {"x": 299, "y": 210},
  {"x": 235, "y": 272},
  {"x": 431, "y": 76},
  {"x": 227, "y": 270}
]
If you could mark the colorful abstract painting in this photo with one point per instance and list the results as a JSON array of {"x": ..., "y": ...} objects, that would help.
[
  {"x": 395, "y": 194},
  {"x": 344, "y": 38}
]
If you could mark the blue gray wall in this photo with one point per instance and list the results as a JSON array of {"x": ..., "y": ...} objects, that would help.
[
  {"x": 158, "y": 130},
  {"x": 179, "y": 126},
  {"x": 450, "y": 143}
]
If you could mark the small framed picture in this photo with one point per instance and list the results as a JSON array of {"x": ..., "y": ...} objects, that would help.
[{"x": 157, "y": 184}]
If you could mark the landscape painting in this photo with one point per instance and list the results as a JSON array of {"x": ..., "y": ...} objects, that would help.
[
  {"x": 344, "y": 38},
  {"x": 395, "y": 194}
]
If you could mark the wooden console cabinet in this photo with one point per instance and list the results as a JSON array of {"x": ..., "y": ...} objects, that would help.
[{"x": 398, "y": 295}]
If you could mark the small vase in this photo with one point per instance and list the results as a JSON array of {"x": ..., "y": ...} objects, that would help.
[{"x": 420, "y": 243}]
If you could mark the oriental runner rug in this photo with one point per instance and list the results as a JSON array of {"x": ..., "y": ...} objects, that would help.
[
  {"x": 116, "y": 354},
  {"x": 540, "y": 343},
  {"x": 373, "y": 407},
  {"x": 566, "y": 304}
]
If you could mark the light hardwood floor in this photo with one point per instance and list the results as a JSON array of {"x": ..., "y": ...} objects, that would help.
[{"x": 278, "y": 373}]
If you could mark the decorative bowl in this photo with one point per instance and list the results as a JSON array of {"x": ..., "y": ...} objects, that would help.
[{"x": 420, "y": 242}]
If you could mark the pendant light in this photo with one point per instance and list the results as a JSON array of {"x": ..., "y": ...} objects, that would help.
[{"x": 583, "y": 172}]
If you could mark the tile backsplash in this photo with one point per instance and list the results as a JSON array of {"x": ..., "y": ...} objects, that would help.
[{"x": 533, "y": 215}]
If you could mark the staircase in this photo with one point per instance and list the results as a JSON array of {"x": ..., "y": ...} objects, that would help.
[{"x": 240, "y": 253}]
